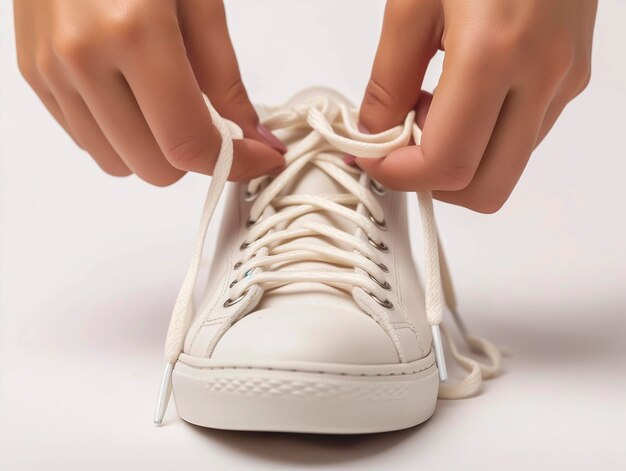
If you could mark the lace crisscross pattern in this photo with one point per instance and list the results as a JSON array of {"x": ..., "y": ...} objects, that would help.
[{"x": 326, "y": 129}]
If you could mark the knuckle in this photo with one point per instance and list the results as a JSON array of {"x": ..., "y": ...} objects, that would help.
[
  {"x": 185, "y": 153},
  {"x": 554, "y": 62},
  {"x": 507, "y": 34},
  {"x": 501, "y": 43},
  {"x": 561, "y": 61},
  {"x": 487, "y": 53},
  {"x": 377, "y": 95},
  {"x": 450, "y": 176},
  {"x": 126, "y": 25},
  {"x": 71, "y": 47},
  {"x": 27, "y": 69},
  {"x": 585, "y": 82},
  {"x": 236, "y": 91},
  {"x": 582, "y": 76},
  {"x": 493, "y": 41},
  {"x": 44, "y": 64}
]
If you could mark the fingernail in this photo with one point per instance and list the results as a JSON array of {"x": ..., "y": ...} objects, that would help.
[
  {"x": 363, "y": 129},
  {"x": 270, "y": 139}
]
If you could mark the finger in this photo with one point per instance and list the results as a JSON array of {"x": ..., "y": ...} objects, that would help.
[
  {"x": 213, "y": 59},
  {"x": 507, "y": 154},
  {"x": 572, "y": 86},
  {"x": 554, "y": 111},
  {"x": 82, "y": 123},
  {"x": 52, "y": 105},
  {"x": 115, "y": 109},
  {"x": 32, "y": 75},
  {"x": 421, "y": 110},
  {"x": 460, "y": 120},
  {"x": 32, "y": 64},
  {"x": 408, "y": 41},
  {"x": 173, "y": 105}
]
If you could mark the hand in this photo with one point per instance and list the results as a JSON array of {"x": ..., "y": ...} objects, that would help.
[
  {"x": 510, "y": 68},
  {"x": 125, "y": 79}
]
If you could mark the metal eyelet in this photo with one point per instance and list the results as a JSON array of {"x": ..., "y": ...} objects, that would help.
[
  {"x": 248, "y": 272},
  {"x": 229, "y": 302},
  {"x": 244, "y": 245},
  {"x": 386, "y": 303},
  {"x": 385, "y": 285},
  {"x": 378, "y": 188},
  {"x": 380, "y": 265},
  {"x": 237, "y": 265},
  {"x": 382, "y": 225},
  {"x": 379, "y": 245}
]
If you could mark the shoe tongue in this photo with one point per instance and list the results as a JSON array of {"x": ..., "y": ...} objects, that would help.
[{"x": 313, "y": 181}]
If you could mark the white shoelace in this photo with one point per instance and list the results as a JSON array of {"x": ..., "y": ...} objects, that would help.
[{"x": 332, "y": 131}]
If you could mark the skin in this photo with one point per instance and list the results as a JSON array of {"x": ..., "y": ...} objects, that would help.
[
  {"x": 509, "y": 70},
  {"x": 125, "y": 80}
]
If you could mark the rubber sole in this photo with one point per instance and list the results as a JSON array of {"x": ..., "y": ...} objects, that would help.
[{"x": 305, "y": 397}]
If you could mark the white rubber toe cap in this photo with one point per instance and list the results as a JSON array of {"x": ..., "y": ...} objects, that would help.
[{"x": 307, "y": 333}]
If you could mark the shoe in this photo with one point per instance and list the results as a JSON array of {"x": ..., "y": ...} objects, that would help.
[{"x": 313, "y": 318}]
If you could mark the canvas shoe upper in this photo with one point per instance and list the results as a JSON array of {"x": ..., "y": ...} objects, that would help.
[{"x": 313, "y": 318}]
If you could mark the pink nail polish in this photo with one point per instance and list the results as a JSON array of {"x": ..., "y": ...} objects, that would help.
[
  {"x": 349, "y": 159},
  {"x": 363, "y": 129},
  {"x": 270, "y": 139}
]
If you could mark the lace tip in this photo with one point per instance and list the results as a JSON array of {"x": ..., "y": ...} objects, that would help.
[
  {"x": 439, "y": 356},
  {"x": 164, "y": 394}
]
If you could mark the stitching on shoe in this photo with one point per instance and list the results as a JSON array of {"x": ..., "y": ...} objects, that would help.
[
  {"x": 223, "y": 287},
  {"x": 245, "y": 309},
  {"x": 210, "y": 311},
  {"x": 408, "y": 321},
  {"x": 225, "y": 318},
  {"x": 397, "y": 278},
  {"x": 293, "y": 370},
  {"x": 405, "y": 325},
  {"x": 213, "y": 321},
  {"x": 382, "y": 319},
  {"x": 398, "y": 282}
]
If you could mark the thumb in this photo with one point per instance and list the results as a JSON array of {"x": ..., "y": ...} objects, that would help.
[{"x": 408, "y": 41}]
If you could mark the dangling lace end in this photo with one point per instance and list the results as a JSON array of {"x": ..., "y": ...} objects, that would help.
[
  {"x": 439, "y": 356},
  {"x": 164, "y": 394}
]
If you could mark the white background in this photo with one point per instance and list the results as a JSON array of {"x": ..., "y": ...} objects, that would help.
[{"x": 91, "y": 266}]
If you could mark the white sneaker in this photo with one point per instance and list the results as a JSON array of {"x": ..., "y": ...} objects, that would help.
[{"x": 314, "y": 319}]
